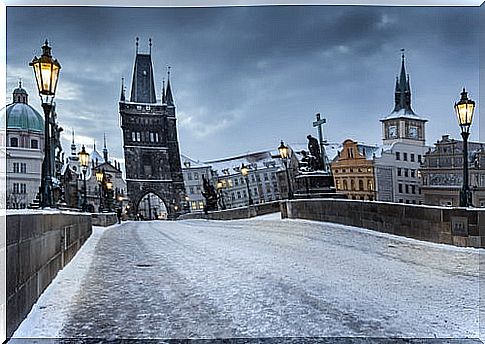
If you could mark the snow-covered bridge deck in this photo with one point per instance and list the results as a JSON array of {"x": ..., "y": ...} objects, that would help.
[{"x": 262, "y": 277}]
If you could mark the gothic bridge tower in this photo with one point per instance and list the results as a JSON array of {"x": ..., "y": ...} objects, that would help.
[{"x": 150, "y": 143}]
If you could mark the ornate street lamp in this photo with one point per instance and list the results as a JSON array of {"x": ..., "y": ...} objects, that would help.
[
  {"x": 285, "y": 154},
  {"x": 109, "y": 188},
  {"x": 220, "y": 186},
  {"x": 46, "y": 71},
  {"x": 84, "y": 162},
  {"x": 245, "y": 172},
  {"x": 464, "y": 111},
  {"x": 100, "y": 179}
]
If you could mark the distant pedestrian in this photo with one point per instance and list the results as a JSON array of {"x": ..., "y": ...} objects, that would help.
[{"x": 118, "y": 214}]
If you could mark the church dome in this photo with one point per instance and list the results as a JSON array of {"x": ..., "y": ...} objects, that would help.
[
  {"x": 20, "y": 115},
  {"x": 24, "y": 117}
]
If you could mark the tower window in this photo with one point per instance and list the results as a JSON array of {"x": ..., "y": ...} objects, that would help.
[
  {"x": 138, "y": 138},
  {"x": 412, "y": 157},
  {"x": 14, "y": 142},
  {"x": 398, "y": 156},
  {"x": 405, "y": 156},
  {"x": 152, "y": 138},
  {"x": 34, "y": 144}
]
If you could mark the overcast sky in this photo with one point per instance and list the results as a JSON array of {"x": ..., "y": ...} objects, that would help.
[{"x": 246, "y": 77}]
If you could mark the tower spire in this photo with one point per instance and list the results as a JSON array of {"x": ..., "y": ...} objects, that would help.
[
  {"x": 402, "y": 97},
  {"x": 142, "y": 85},
  {"x": 73, "y": 145},
  {"x": 168, "y": 93},
  {"x": 105, "y": 149},
  {"x": 163, "y": 91},
  {"x": 150, "y": 45},
  {"x": 122, "y": 97}
]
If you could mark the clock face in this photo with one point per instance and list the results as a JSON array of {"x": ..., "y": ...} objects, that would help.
[
  {"x": 413, "y": 132},
  {"x": 392, "y": 131}
]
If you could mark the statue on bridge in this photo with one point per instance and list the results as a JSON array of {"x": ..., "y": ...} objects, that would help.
[
  {"x": 210, "y": 195},
  {"x": 314, "y": 149}
]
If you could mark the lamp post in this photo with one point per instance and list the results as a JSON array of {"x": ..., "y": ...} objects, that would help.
[
  {"x": 46, "y": 71},
  {"x": 84, "y": 161},
  {"x": 220, "y": 186},
  {"x": 109, "y": 188},
  {"x": 285, "y": 154},
  {"x": 100, "y": 179},
  {"x": 245, "y": 171},
  {"x": 464, "y": 112}
]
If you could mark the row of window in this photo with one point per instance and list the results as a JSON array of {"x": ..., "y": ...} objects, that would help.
[
  {"x": 405, "y": 157},
  {"x": 359, "y": 186},
  {"x": 14, "y": 142},
  {"x": 344, "y": 170},
  {"x": 407, "y": 172},
  {"x": 409, "y": 202},
  {"x": 409, "y": 189},
  {"x": 19, "y": 188},
  {"x": 362, "y": 198},
  {"x": 19, "y": 167},
  {"x": 144, "y": 136}
]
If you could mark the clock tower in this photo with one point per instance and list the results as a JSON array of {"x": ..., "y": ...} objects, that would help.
[{"x": 403, "y": 125}]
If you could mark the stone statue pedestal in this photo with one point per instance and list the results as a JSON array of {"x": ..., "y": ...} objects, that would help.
[{"x": 317, "y": 184}]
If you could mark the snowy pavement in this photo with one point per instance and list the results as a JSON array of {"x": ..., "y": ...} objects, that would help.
[{"x": 262, "y": 277}]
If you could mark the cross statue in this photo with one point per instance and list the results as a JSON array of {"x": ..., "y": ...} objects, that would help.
[{"x": 319, "y": 123}]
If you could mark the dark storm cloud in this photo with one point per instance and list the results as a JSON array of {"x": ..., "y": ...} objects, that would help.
[{"x": 246, "y": 77}]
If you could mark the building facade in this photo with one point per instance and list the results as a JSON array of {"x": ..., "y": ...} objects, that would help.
[
  {"x": 225, "y": 175},
  {"x": 98, "y": 198},
  {"x": 403, "y": 147},
  {"x": 193, "y": 172},
  {"x": 442, "y": 173},
  {"x": 24, "y": 141},
  {"x": 150, "y": 143},
  {"x": 353, "y": 171}
]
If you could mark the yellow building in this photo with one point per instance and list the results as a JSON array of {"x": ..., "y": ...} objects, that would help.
[{"x": 353, "y": 171}]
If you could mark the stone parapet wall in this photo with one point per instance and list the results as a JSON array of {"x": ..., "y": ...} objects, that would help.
[
  {"x": 455, "y": 226},
  {"x": 38, "y": 246},
  {"x": 236, "y": 213},
  {"x": 103, "y": 219}
]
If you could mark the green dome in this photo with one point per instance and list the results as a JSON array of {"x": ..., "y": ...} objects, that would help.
[{"x": 24, "y": 117}]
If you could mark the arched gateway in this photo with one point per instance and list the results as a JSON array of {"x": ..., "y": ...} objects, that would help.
[{"x": 150, "y": 143}]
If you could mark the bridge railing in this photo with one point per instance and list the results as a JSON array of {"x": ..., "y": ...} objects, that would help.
[
  {"x": 236, "y": 213},
  {"x": 39, "y": 244},
  {"x": 455, "y": 226}
]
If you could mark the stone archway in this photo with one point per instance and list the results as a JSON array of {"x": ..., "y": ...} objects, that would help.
[{"x": 151, "y": 207}]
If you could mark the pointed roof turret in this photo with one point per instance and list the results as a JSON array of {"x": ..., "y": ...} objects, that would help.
[
  {"x": 168, "y": 93},
  {"x": 122, "y": 97},
  {"x": 402, "y": 97},
  {"x": 143, "y": 86},
  {"x": 73, "y": 145},
  {"x": 105, "y": 150}
]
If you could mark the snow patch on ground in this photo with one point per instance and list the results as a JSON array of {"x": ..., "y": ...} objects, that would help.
[{"x": 47, "y": 316}]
